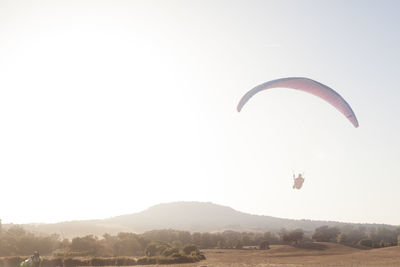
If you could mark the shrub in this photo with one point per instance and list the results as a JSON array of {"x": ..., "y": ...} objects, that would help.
[
  {"x": 71, "y": 262},
  {"x": 188, "y": 249},
  {"x": 51, "y": 262},
  {"x": 176, "y": 255},
  {"x": 156, "y": 249},
  {"x": 125, "y": 261},
  {"x": 97, "y": 261},
  {"x": 181, "y": 259},
  {"x": 70, "y": 254},
  {"x": 197, "y": 256},
  {"x": 146, "y": 260},
  {"x": 293, "y": 236},
  {"x": 325, "y": 234},
  {"x": 12, "y": 261},
  {"x": 366, "y": 242},
  {"x": 169, "y": 251}
]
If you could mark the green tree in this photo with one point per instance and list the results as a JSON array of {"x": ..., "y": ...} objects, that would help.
[
  {"x": 325, "y": 234},
  {"x": 238, "y": 244},
  {"x": 270, "y": 237},
  {"x": 156, "y": 248},
  {"x": 88, "y": 244},
  {"x": 354, "y": 234},
  {"x": 126, "y": 244},
  {"x": 188, "y": 249},
  {"x": 342, "y": 238},
  {"x": 293, "y": 236}
]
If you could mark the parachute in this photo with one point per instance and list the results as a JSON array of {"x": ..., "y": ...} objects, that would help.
[{"x": 307, "y": 85}]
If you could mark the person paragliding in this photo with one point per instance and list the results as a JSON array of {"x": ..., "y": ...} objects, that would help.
[
  {"x": 298, "y": 182},
  {"x": 308, "y": 86}
]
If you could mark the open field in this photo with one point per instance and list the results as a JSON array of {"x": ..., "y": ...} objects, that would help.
[
  {"x": 316, "y": 254},
  {"x": 327, "y": 254}
]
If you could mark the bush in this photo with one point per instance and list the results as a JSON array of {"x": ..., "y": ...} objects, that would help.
[
  {"x": 125, "y": 261},
  {"x": 71, "y": 262},
  {"x": 146, "y": 260},
  {"x": 176, "y": 255},
  {"x": 102, "y": 261},
  {"x": 175, "y": 258},
  {"x": 181, "y": 259},
  {"x": 198, "y": 256},
  {"x": 293, "y": 236},
  {"x": 11, "y": 261},
  {"x": 325, "y": 234},
  {"x": 366, "y": 242},
  {"x": 188, "y": 249},
  {"x": 169, "y": 251},
  {"x": 156, "y": 249},
  {"x": 70, "y": 254},
  {"x": 51, "y": 262}
]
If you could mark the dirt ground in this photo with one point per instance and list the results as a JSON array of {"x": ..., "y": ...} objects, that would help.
[{"x": 324, "y": 254}]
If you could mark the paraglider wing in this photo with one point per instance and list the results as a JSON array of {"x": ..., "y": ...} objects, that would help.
[{"x": 309, "y": 86}]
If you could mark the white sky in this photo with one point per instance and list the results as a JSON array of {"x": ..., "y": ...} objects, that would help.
[{"x": 109, "y": 107}]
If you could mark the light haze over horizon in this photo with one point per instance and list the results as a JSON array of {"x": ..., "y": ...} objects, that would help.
[{"x": 110, "y": 107}]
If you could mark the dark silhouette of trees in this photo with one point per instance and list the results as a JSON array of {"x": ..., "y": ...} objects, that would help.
[
  {"x": 382, "y": 236},
  {"x": 342, "y": 238},
  {"x": 325, "y": 234},
  {"x": 15, "y": 241},
  {"x": 354, "y": 234},
  {"x": 293, "y": 236},
  {"x": 89, "y": 244},
  {"x": 156, "y": 248},
  {"x": 189, "y": 249},
  {"x": 366, "y": 242}
]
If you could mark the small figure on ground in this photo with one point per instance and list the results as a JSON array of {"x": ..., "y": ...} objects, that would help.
[{"x": 33, "y": 261}]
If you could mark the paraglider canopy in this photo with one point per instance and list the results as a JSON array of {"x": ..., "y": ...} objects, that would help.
[{"x": 309, "y": 86}]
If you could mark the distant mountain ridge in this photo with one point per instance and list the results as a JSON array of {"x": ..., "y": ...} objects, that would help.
[{"x": 187, "y": 216}]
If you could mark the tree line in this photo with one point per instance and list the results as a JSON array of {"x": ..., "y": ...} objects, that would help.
[{"x": 15, "y": 241}]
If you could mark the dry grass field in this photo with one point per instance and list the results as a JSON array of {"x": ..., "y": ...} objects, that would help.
[{"x": 324, "y": 254}]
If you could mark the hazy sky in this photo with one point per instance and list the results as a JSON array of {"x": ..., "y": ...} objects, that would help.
[{"x": 109, "y": 107}]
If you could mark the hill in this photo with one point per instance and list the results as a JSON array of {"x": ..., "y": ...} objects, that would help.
[{"x": 188, "y": 216}]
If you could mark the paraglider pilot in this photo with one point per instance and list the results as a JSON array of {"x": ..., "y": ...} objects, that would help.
[{"x": 298, "y": 182}]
